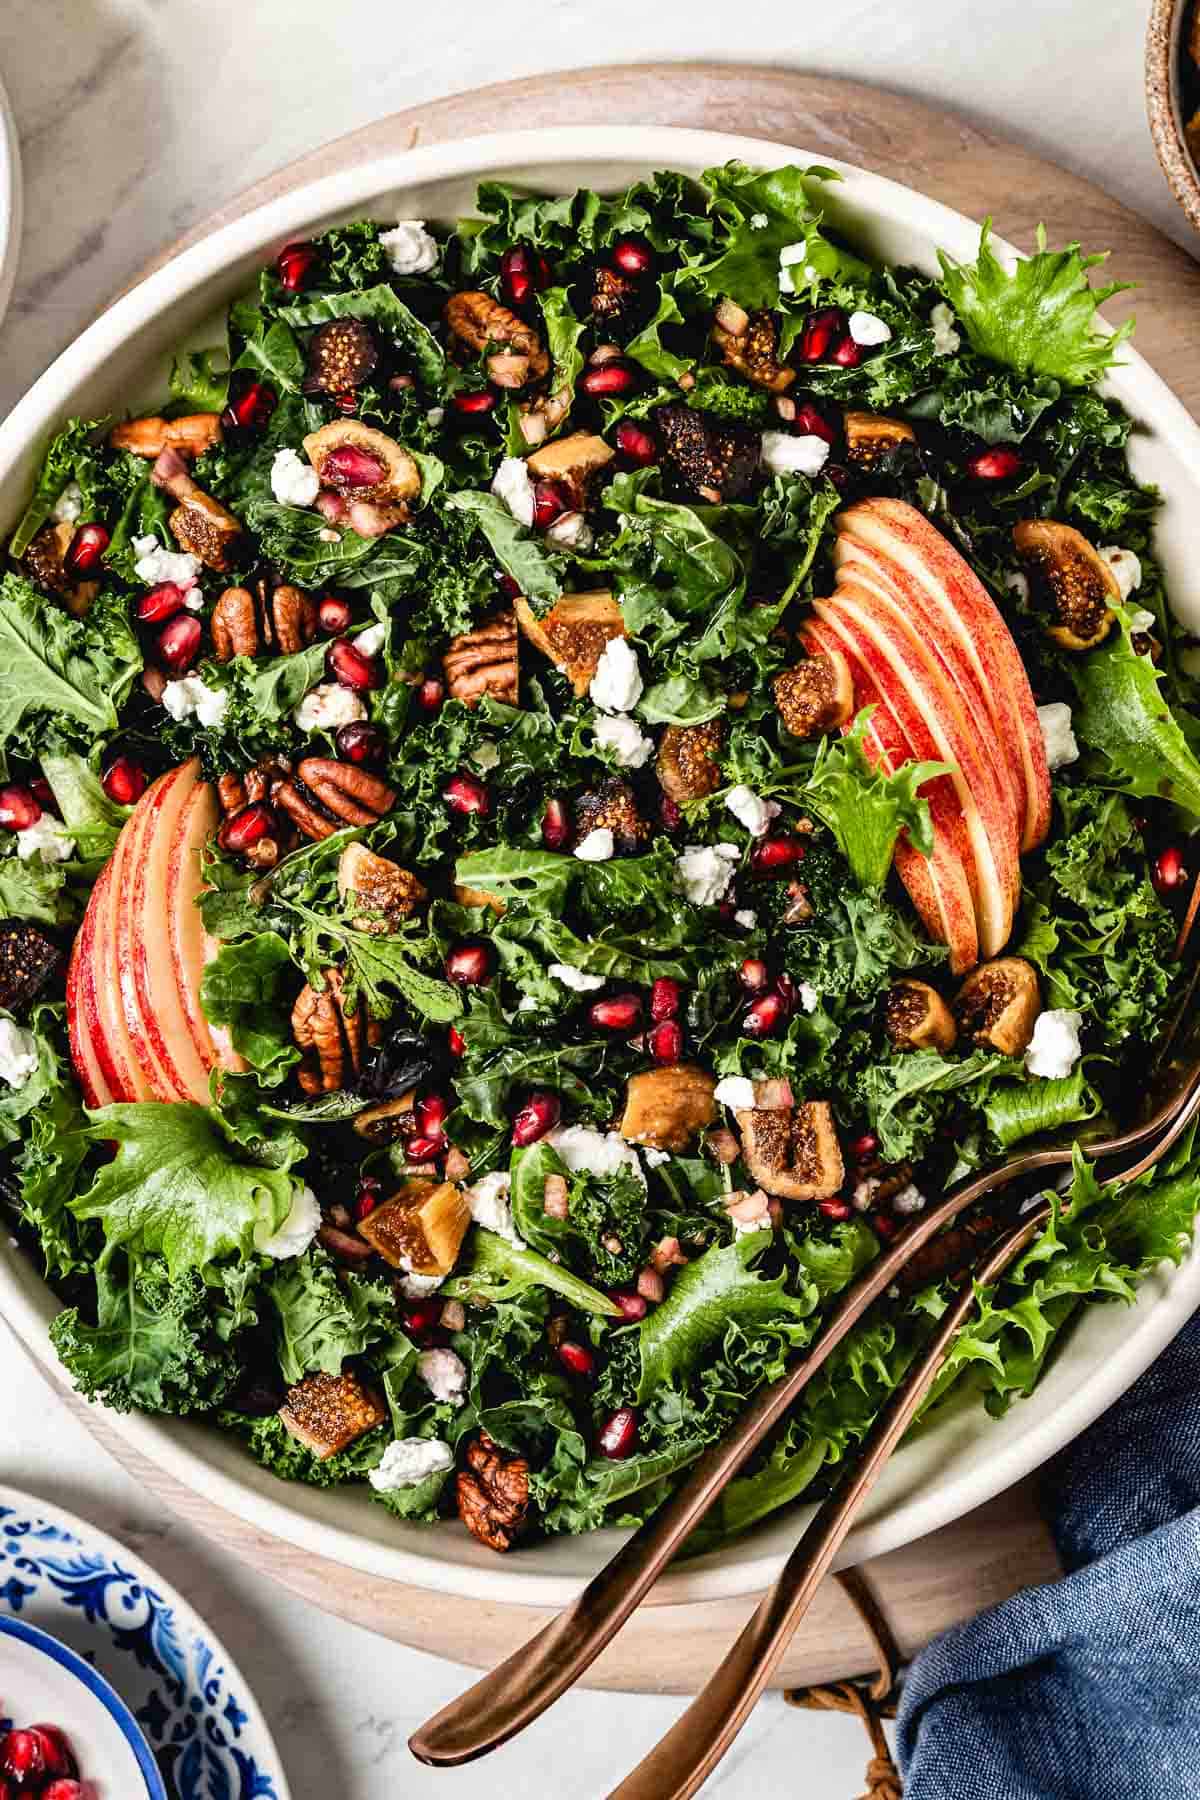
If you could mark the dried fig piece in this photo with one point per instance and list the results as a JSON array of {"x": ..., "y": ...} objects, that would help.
[
  {"x": 613, "y": 807},
  {"x": 749, "y": 343},
  {"x": 575, "y": 462},
  {"x": 915, "y": 1017},
  {"x": 573, "y": 633},
  {"x": 687, "y": 761},
  {"x": 666, "y": 1107},
  {"x": 793, "y": 1151},
  {"x": 342, "y": 354},
  {"x": 420, "y": 1230},
  {"x": 327, "y": 1412},
  {"x": 46, "y": 560},
  {"x": 715, "y": 459},
  {"x": 870, "y": 436},
  {"x": 998, "y": 1005},
  {"x": 362, "y": 463},
  {"x": 388, "y": 1120},
  {"x": 1080, "y": 586},
  {"x": 817, "y": 695},
  {"x": 29, "y": 959},
  {"x": 386, "y": 893}
]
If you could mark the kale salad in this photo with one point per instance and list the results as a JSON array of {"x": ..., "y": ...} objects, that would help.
[{"x": 583, "y": 768}]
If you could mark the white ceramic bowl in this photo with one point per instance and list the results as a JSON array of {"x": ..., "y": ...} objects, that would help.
[
  {"x": 10, "y": 201},
  {"x": 966, "y": 1458},
  {"x": 44, "y": 1682}
]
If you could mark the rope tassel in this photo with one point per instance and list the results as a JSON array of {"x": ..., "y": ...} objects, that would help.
[{"x": 872, "y": 1701}]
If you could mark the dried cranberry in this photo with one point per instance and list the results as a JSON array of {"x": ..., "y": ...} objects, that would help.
[
  {"x": 754, "y": 975},
  {"x": 18, "y": 808},
  {"x": 334, "y": 615},
  {"x": 665, "y": 998},
  {"x": 480, "y": 400},
  {"x": 179, "y": 642},
  {"x": 618, "y": 1434},
  {"x": 767, "y": 1014},
  {"x": 665, "y": 1042},
  {"x": 466, "y": 794},
  {"x": 345, "y": 663},
  {"x": 159, "y": 603},
  {"x": 124, "y": 780},
  {"x": 550, "y": 501},
  {"x": 1169, "y": 871},
  {"x": 540, "y": 1114},
  {"x": 821, "y": 332},
  {"x": 636, "y": 444},
  {"x": 1000, "y": 463},
  {"x": 556, "y": 825},
  {"x": 575, "y": 1357},
  {"x": 623, "y": 1012},
  {"x": 608, "y": 381},
  {"x": 469, "y": 964},
  {"x": 632, "y": 255},
  {"x": 360, "y": 743},
  {"x": 249, "y": 406},
  {"x": 247, "y": 828},
  {"x": 295, "y": 264},
  {"x": 773, "y": 853}
]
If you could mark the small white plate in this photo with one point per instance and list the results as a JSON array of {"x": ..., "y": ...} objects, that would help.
[
  {"x": 188, "y": 1696},
  {"x": 10, "y": 201}
]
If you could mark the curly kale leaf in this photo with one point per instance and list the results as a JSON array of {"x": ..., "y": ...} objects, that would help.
[
  {"x": 73, "y": 673},
  {"x": 322, "y": 1318}
]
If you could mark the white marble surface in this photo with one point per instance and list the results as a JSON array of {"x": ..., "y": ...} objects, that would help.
[{"x": 136, "y": 118}]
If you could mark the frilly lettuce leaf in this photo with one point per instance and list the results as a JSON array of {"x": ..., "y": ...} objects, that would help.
[
  {"x": 865, "y": 809},
  {"x": 1124, "y": 717}
]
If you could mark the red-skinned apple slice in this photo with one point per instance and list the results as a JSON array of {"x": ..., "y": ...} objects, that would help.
[
  {"x": 938, "y": 885},
  {"x": 190, "y": 946},
  {"x": 906, "y": 538},
  {"x": 84, "y": 1057},
  {"x": 134, "y": 847},
  {"x": 926, "y": 711},
  {"x": 132, "y": 1077}
]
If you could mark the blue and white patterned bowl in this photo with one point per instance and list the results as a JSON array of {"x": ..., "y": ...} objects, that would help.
[{"x": 207, "y": 1737}]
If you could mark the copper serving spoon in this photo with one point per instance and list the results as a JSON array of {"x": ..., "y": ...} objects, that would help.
[
  {"x": 682, "y": 1760},
  {"x": 516, "y": 1692}
]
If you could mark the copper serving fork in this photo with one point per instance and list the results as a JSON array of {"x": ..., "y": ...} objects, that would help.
[{"x": 516, "y": 1692}]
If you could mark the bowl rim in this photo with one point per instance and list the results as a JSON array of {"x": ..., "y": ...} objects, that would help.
[
  {"x": 737, "y": 1569},
  {"x": 98, "y": 1686},
  {"x": 1164, "y": 33}
]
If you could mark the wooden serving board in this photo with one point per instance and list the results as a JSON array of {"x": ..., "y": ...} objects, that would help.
[{"x": 1003, "y": 1546}]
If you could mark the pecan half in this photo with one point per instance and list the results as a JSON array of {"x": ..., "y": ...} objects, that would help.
[
  {"x": 243, "y": 623},
  {"x": 190, "y": 436},
  {"x": 231, "y": 793},
  {"x": 484, "y": 661},
  {"x": 351, "y": 794},
  {"x": 483, "y": 324},
  {"x": 493, "y": 1494},
  {"x": 331, "y": 1036}
]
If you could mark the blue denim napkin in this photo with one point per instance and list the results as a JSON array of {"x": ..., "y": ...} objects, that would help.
[{"x": 1088, "y": 1688}]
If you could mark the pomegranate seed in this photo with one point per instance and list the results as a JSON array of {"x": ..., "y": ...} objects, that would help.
[
  {"x": 334, "y": 615},
  {"x": 864, "y": 1146},
  {"x": 57, "y": 1752},
  {"x": 508, "y": 587},
  {"x": 636, "y": 444},
  {"x": 665, "y": 998},
  {"x": 765, "y": 1016},
  {"x": 360, "y": 743},
  {"x": 421, "y": 1319},
  {"x": 847, "y": 354},
  {"x": 179, "y": 642},
  {"x": 294, "y": 265},
  {"x": 523, "y": 272},
  {"x": 556, "y": 825},
  {"x": 430, "y": 695},
  {"x": 884, "y": 1226},
  {"x": 821, "y": 332},
  {"x": 772, "y": 853},
  {"x": 550, "y": 501},
  {"x": 465, "y": 794},
  {"x": 633, "y": 256},
  {"x": 346, "y": 402},
  {"x": 608, "y": 381},
  {"x": 348, "y": 466},
  {"x": 838, "y": 1210},
  {"x": 810, "y": 423},
  {"x": 618, "y": 1434},
  {"x": 370, "y": 1189},
  {"x": 87, "y": 547},
  {"x": 431, "y": 1114},
  {"x": 622, "y": 1013},
  {"x": 424, "y": 1149},
  {"x": 249, "y": 408},
  {"x": 633, "y": 1306},
  {"x": 575, "y": 1357},
  {"x": 540, "y": 1114},
  {"x": 124, "y": 780},
  {"x": 998, "y": 464},
  {"x": 18, "y": 808},
  {"x": 481, "y": 400},
  {"x": 23, "y": 1758},
  {"x": 65, "y": 1789},
  {"x": 671, "y": 813},
  {"x": 665, "y": 1042},
  {"x": 469, "y": 964},
  {"x": 247, "y": 828},
  {"x": 344, "y": 662},
  {"x": 159, "y": 603},
  {"x": 1169, "y": 870},
  {"x": 754, "y": 975}
]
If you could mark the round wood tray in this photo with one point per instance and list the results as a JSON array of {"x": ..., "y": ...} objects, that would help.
[{"x": 1003, "y": 1546}]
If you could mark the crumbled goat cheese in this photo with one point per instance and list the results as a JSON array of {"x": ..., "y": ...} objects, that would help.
[
  {"x": 746, "y": 917},
  {"x": 326, "y": 707},
  {"x": 909, "y": 1200},
  {"x": 1142, "y": 619},
  {"x": 444, "y": 1374},
  {"x": 945, "y": 339},
  {"x": 490, "y": 1206},
  {"x": 617, "y": 684},
  {"x": 155, "y": 563},
  {"x": 864, "y": 1192},
  {"x": 1054, "y": 1048},
  {"x": 1018, "y": 584},
  {"x": 372, "y": 640},
  {"x": 703, "y": 872},
  {"x": 293, "y": 482},
  {"x": 578, "y": 980},
  {"x": 1125, "y": 566},
  {"x": 759, "y": 221},
  {"x": 868, "y": 331},
  {"x": 409, "y": 248},
  {"x": 656, "y": 1157},
  {"x": 298, "y": 1230},
  {"x": 789, "y": 256},
  {"x": 189, "y": 695},
  {"x": 419, "y": 1287},
  {"x": 784, "y": 454},
  {"x": 750, "y": 810},
  {"x": 735, "y": 1091},
  {"x": 594, "y": 1152},
  {"x": 571, "y": 531},
  {"x": 46, "y": 840},
  {"x": 18, "y": 1053},
  {"x": 620, "y": 734},
  {"x": 597, "y": 846},
  {"x": 328, "y": 535},
  {"x": 807, "y": 995},
  {"x": 485, "y": 755},
  {"x": 1057, "y": 735},
  {"x": 435, "y": 415},
  {"x": 511, "y": 484},
  {"x": 407, "y": 1461},
  {"x": 69, "y": 505},
  {"x": 527, "y": 1003}
]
